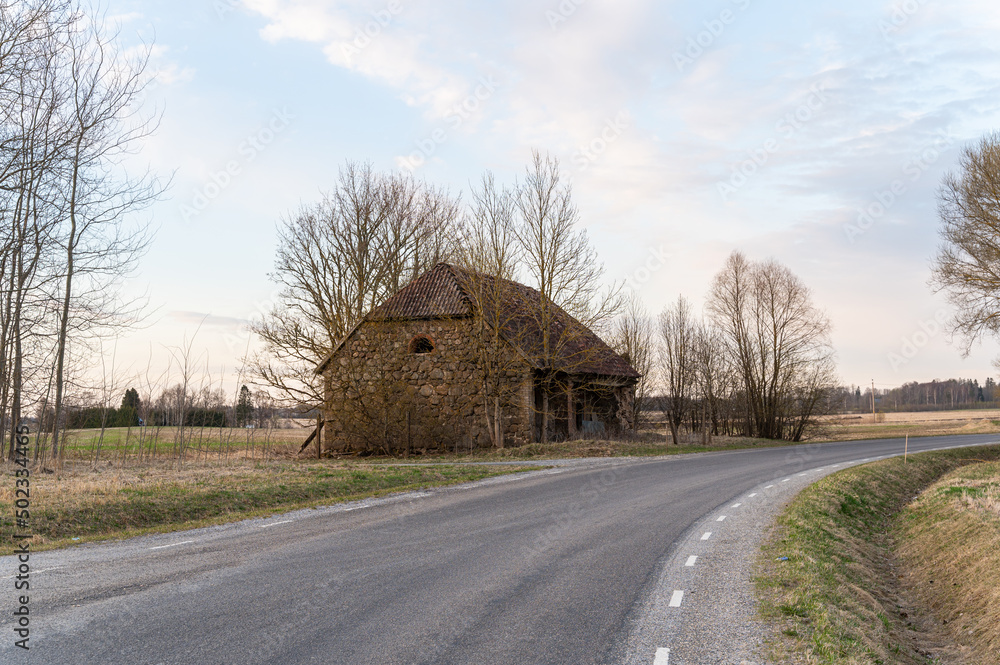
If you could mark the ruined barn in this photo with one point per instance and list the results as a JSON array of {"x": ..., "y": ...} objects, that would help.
[{"x": 457, "y": 360}]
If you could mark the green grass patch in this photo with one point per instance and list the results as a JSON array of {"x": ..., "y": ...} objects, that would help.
[{"x": 834, "y": 600}]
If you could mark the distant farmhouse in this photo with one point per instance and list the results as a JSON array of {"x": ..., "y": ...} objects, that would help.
[{"x": 457, "y": 360}]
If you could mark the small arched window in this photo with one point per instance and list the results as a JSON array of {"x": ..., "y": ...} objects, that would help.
[{"x": 421, "y": 344}]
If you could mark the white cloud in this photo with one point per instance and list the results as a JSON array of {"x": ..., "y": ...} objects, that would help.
[{"x": 886, "y": 96}]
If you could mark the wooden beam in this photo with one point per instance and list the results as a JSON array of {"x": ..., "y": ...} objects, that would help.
[{"x": 312, "y": 436}]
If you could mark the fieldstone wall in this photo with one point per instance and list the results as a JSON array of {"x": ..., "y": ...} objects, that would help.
[{"x": 382, "y": 395}]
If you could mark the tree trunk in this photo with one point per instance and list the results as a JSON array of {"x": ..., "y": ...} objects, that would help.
[
  {"x": 545, "y": 416},
  {"x": 498, "y": 422},
  {"x": 64, "y": 314}
]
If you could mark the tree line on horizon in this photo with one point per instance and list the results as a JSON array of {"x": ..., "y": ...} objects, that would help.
[
  {"x": 205, "y": 408},
  {"x": 936, "y": 395}
]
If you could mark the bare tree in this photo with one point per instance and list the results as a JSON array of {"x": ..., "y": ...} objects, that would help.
[
  {"x": 102, "y": 89},
  {"x": 557, "y": 256},
  {"x": 181, "y": 395},
  {"x": 779, "y": 343},
  {"x": 967, "y": 266},
  {"x": 633, "y": 337},
  {"x": 340, "y": 259},
  {"x": 678, "y": 340},
  {"x": 68, "y": 115},
  {"x": 713, "y": 379},
  {"x": 489, "y": 257},
  {"x": 563, "y": 267},
  {"x": 30, "y": 145}
]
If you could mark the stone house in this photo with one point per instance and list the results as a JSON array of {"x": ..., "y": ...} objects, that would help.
[{"x": 457, "y": 360}]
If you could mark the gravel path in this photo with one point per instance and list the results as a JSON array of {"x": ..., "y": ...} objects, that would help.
[{"x": 716, "y": 621}]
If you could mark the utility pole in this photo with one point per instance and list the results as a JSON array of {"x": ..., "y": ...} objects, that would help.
[{"x": 873, "y": 400}]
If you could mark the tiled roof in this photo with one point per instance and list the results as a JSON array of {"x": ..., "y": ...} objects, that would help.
[
  {"x": 433, "y": 295},
  {"x": 516, "y": 310},
  {"x": 446, "y": 291}
]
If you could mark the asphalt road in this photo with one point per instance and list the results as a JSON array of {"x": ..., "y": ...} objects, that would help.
[{"x": 540, "y": 569}]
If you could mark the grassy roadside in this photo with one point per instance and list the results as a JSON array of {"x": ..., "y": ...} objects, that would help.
[
  {"x": 837, "y": 596},
  {"x": 82, "y": 505},
  {"x": 646, "y": 446},
  {"x": 116, "y": 444},
  {"x": 949, "y": 540}
]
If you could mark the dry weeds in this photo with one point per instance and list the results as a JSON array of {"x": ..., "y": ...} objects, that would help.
[
  {"x": 950, "y": 541},
  {"x": 839, "y": 598}
]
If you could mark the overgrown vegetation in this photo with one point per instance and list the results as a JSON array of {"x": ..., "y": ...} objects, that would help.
[
  {"x": 828, "y": 582},
  {"x": 83, "y": 503},
  {"x": 950, "y": 542}
]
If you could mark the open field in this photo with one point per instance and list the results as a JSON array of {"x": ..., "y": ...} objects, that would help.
[
  {"x": 83, "y": 502},
  {"x": 919, "y": 423},
  {"x": 828, "y": 581},
  {"x": 958, "y": 520},
  {"x": 127, "y": 445}
]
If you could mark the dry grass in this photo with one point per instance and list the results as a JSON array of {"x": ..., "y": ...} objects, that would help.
[
  {"x": 838, "y": 598},
  {"x": 648, "y": 443},
  {"x": 932, "y": 423},
  {"x": 950, "y": 542},
  {"x": 82, "y": 502}
]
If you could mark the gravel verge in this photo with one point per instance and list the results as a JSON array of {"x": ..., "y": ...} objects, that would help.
[{"x": 717, "y": 621}]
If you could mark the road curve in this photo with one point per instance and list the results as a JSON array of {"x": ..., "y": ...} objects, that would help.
[{"x": 548, "y": 568}]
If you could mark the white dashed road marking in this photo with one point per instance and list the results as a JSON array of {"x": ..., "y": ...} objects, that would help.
[
  {"x": 708, "y": 534},
  {"x": 753, "y": 495},
  {"x": 736, "y": 505},
  {"x": 769, "y": 487},
  {"x": 690, "y": 561},
  {"x": 264, "y": 526},
  {"x": 662, "y": 657},
  {"x": 34, "y": 572},
  {"x": 786, "y": 480},
  {"x": 675, "y": 600},
  {"x": 721, "y": 518},
  {"x": 160, "y": 547}
]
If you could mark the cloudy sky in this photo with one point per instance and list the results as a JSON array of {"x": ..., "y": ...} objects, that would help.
[{"x": 812, "y": 133}]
